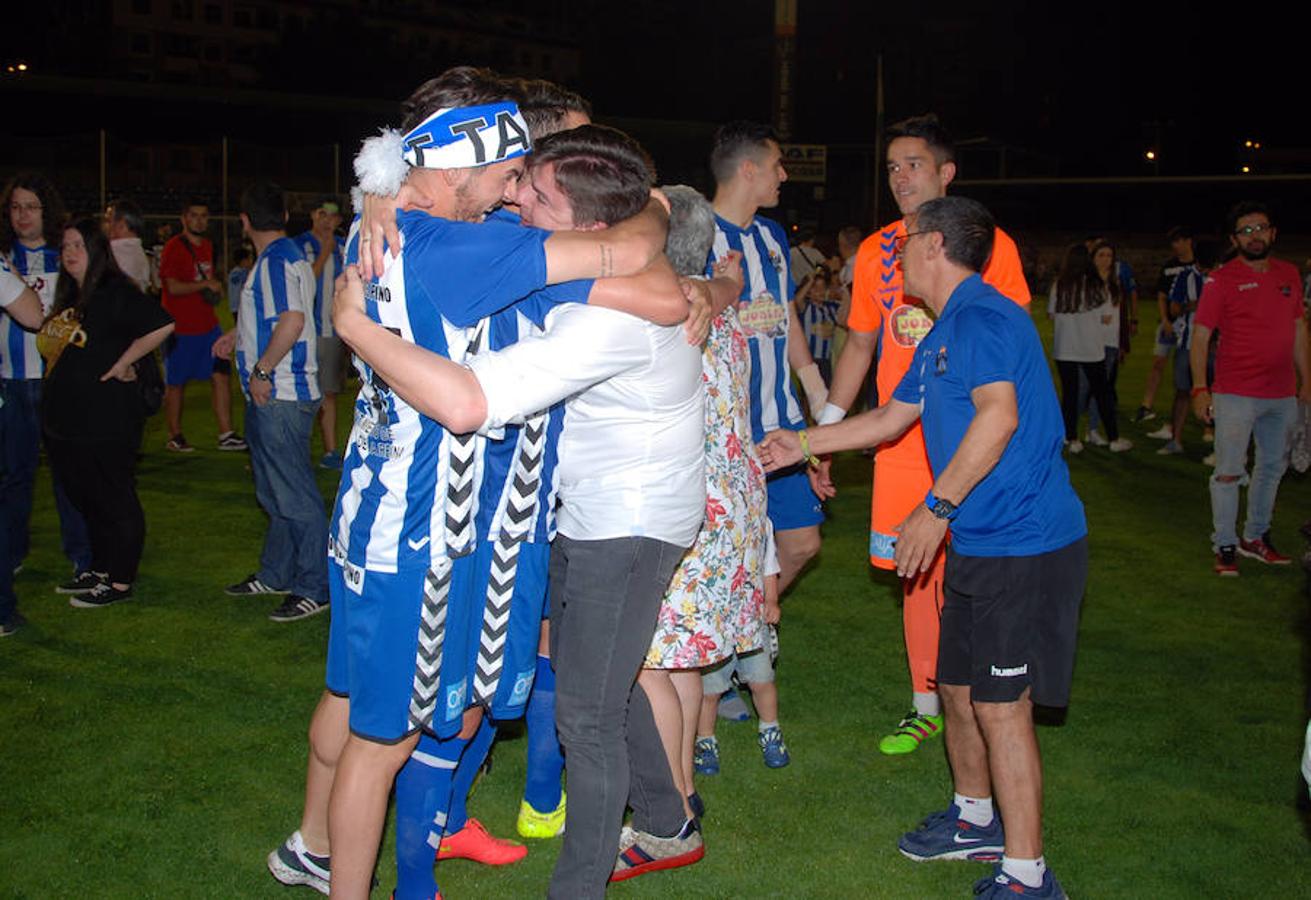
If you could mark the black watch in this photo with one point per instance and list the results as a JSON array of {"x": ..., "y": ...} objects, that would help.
[
  {"x": 261, "y": 374},
  {"x": 943, "y": 509}
]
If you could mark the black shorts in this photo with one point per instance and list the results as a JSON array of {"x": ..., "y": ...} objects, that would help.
[{"x": 1010, "y": 623}]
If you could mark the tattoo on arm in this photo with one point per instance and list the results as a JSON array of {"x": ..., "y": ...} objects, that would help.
[{"x": 607, "y": 261}]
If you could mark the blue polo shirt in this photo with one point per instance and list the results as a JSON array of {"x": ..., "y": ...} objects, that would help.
[{"x": 1025, "y": 505}]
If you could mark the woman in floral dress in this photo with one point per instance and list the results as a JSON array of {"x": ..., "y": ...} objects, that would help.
[{"x": 715, "y": 603}]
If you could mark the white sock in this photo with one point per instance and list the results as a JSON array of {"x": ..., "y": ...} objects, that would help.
[
  {"x": 927, "y": 704},
  {"x": 765, "y": 726},
  {"x": 975, "y": 810},
  {"x": 1028, "y": 871}
]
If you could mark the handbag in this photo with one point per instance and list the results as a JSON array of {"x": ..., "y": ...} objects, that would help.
[{"x": 150, "y": 382}]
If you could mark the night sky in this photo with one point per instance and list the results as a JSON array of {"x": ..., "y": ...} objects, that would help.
[{"x": 1090, "y": 96}]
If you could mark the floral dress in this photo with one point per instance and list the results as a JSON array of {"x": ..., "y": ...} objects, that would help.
[{"x": 715, "y": 602}]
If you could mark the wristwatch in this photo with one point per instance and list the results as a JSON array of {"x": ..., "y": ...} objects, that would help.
[
  {"x": 261, "y": 374},
  {"x": 943, "y": 509}
]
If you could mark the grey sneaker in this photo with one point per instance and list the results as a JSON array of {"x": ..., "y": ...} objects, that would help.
[
  {"x": 640, "y": 852},
  {"x": 230, "y": 440},
  {"x": 12, "y": 624},
  {"x": 292, "y": 864},
  {"x": 297, "y": 607}
]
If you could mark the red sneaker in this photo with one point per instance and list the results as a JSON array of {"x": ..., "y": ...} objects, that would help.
[
  {"x": 1260, "y": 549},
  {"x": 473, "y": 842}
]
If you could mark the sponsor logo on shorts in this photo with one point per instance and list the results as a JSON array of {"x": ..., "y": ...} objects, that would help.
[
  {"x": 881, "y": 546},
  {"x": 1009, "y": 671},
  {"x": 523, "y": 683},
  {"x": 456, "y": 695}
]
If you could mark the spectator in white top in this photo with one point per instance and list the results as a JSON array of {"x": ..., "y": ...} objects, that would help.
[{"x": 123, "y": 227}]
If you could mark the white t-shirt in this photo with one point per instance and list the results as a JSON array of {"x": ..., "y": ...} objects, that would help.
[
  {"x": 1077, "y": 336},
  {"x": 633, "y": 447}
]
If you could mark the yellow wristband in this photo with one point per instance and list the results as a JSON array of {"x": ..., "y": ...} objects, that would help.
[{"x": 811, "y": 459}]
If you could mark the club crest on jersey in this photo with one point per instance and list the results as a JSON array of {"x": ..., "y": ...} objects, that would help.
[
  {"x": 909, "y": 325},
  {"x": 776, "y": 260},
  {"x": 940, "y": 362}
]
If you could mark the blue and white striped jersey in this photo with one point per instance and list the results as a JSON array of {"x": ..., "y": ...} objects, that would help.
[
  {"x": 819, "y": 321},
  {"x": 768, "y": 290},
  {"x": 280, "y": 281},
  {"x": 309, "y": 245},
  {"x": 40, "y": 269},
  {"x": 410, "y": 493}
]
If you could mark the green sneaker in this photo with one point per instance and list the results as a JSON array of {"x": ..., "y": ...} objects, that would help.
[
  {"x": 541, "y": 825},
  {"x": 911, "y": 732}
]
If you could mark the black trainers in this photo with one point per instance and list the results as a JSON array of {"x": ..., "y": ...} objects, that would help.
[
  {"x": 103, "y": 594},
  {"x": 249, "y": 587},
  {"x": 230, "y": 440},
  {"x": 297, "y": 607},
  {"x": 81, "y": 583},
  {"x": 12, "y": 624},
  {"x": 1143, "y": 415},
  {"x": 178, "y": 444}
]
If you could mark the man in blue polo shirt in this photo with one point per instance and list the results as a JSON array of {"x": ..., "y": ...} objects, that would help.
[{"x": 1018, "y": 558}]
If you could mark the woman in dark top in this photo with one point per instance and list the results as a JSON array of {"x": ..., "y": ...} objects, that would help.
[{"x": 92, "y": 411}]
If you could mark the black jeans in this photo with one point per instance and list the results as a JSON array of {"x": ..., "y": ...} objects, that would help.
[
  {"x": 100, "y": 480},
  {"x": 1100, "y": 388}
]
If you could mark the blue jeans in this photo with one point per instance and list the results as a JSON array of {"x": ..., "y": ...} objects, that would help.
[
  {"x": 1239, "y": 420},
  {"x": 295, "y": 555},
  {"x": 20, "y": 443}
]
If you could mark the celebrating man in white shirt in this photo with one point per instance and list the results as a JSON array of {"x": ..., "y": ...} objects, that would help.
[{"x": 632, "y": 497}]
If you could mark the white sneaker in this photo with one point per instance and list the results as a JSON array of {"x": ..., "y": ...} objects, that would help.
[
  {"x": 1209, "y": 460},
  {"x": 1119, "y": 445},
  {"x": 1095, "y": 438},
  {"x": 1164, "y": 433},
  {"x": 1074, "y": 446}
]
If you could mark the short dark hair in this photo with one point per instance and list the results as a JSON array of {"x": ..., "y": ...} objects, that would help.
[
  {"x": 194, "y": 200},
  {"x": 545, "y": 105},
  {"x": 53, "y": 212},
  {"x": 129, "y": 214},
  {"x": 605, "y": 174},
  {"x": 1245, "y": 208},
  {"x": 460, "y": 86},
  {"x": 1179, "y": 233},
  {"x": 929, "y": 129},
  {"x": 966, "y": 226},
  {"x": 691, "y": 229},
  {"x": 265, "y": 205},
  {"x": 734, "y": 142}
]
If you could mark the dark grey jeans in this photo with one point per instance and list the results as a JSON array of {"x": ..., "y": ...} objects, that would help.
[{"x": 604, "y": 599}]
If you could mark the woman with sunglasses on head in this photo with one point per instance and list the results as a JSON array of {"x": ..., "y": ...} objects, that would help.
[{"x": 93, "y": 413}]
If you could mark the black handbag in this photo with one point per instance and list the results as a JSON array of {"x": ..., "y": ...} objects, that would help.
[{"x": 150, "y": 382}]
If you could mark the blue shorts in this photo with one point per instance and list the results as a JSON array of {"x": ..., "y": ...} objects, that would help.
[
  {"x": 381, "y": 650},
  {"x": 522, "y": 632},
  {"x": 190, "y": 357},
  {"x": 792, "y": 504}
]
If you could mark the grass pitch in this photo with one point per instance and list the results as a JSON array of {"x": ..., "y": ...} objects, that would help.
[{"x": 157, "y": 748}]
